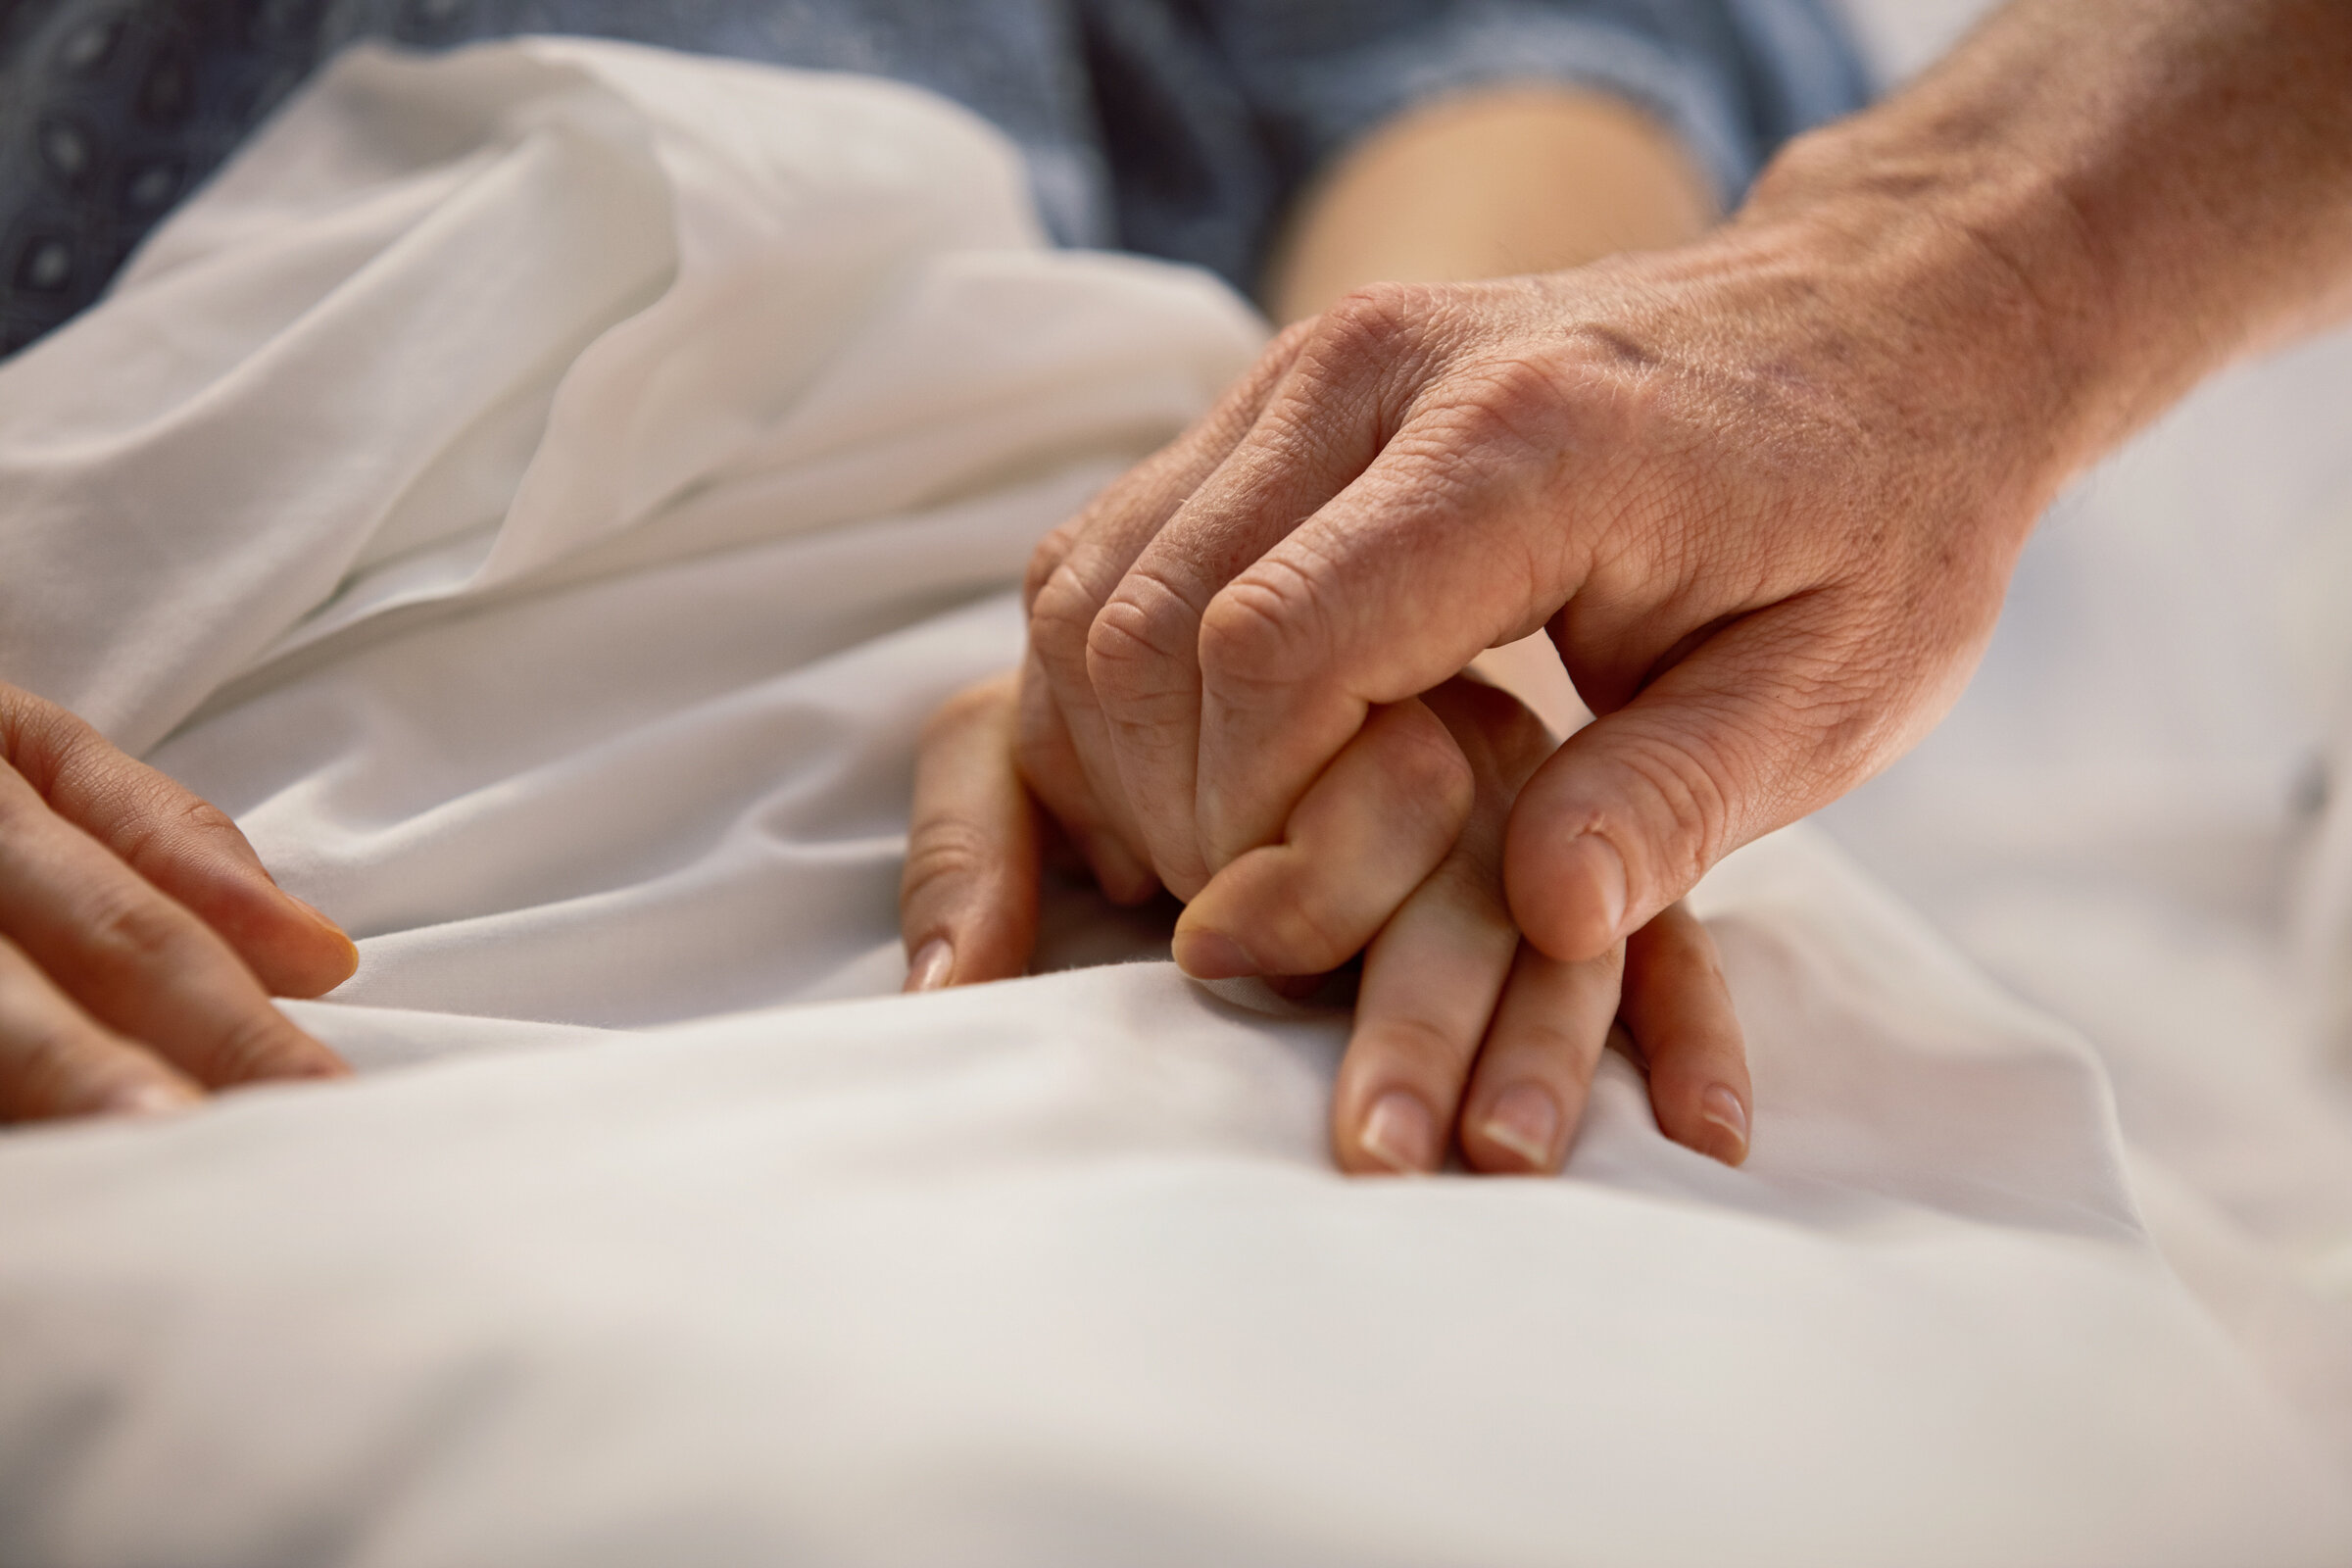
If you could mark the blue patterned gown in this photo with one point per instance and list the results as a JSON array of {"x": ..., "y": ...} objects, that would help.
[{"x": 1175, "y": 128}]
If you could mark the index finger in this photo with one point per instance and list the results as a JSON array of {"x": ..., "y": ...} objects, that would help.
[
  {"x": 1077, "y": 641},
  {"x": 1150, "y": 650},
  {"x": 176, "y": 841},
  {"x": 967, "y": 898},
  {"x": 136, "y": 962}
]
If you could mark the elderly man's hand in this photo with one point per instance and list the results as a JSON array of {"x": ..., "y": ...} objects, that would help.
[
  {"x": 139, "y": 936},
  {"x": 1756, "y": 502}
]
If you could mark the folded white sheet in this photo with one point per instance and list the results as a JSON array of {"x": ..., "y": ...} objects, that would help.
[{"x": 540, "y": 492}]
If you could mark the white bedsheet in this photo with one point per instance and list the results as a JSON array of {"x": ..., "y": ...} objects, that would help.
[{"x": 540, "y": 493}]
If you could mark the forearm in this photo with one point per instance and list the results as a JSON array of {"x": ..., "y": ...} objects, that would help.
[
  {"x": 2111, "y": 197},
  {"x": 1517, "y": 178}
]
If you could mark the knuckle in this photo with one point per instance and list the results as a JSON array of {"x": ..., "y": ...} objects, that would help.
[
  {"x": 1047, "y": 558},
  {"x": 944, "y": 856},
  {"x": 1439, "y": 1056},
  {"x": 1310, "y": 932},
  {"x": 1061, "y": 617},
  {"x": 131, "y": 932},
  {"x": 1372, "y": 323},
  {"x": 170, "y": 818},
  {"x": 1268, "y": 627},
  {"x": 255, "y": 1043},
  {"x": 1612, "y": 346},
  {"x": 1432, "y": 775},
  {"x": 1556, "y": 1047},
  {"x": 1685, "y": 778},
  {"x": 203, "y": 816},
  {"x": 1424, "y": 773},
  {"x": 1510, "y": 403},
  {"x": 1513, "y": 383},
  {"x": 1146, "y": 631}
]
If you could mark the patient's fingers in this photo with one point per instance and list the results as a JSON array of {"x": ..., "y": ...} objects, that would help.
[
  {"x": 1463, "y": 1032},
  {"x": 1434, "y": 974},
  {"x": 1381, "y": 817},
  {"x": 178, "y": 842},
  {"x": 1679, "y": 1011},
  {"x": 1535, "y": 1070},
  {"x": 1430, "y": 984},
  {"x": 1668, "y": 996},
  {"x": 967, "y": 900},
  {"x": 134, "y": 960},
  {"x": 55, "y": 1061}
]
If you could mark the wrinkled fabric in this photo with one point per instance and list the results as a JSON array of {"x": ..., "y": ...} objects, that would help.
[
  {"x": 541, "y": 493},
  {"x": 1176, "y": 127}
]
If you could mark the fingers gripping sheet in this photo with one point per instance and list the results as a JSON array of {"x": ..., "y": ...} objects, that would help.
[{"x": 541, "y": 492}]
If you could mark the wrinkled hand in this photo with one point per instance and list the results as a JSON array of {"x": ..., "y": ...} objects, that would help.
[
  {"x": 1766, "y": 520},
  {"x": 140, "y": 939},
  {"x": 1462, "y": 1031}
]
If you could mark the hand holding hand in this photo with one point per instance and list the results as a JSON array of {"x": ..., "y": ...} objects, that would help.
[{"x": 1463, "y": 1032}]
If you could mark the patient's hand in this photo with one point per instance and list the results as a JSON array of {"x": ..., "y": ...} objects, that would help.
[
  {"x": 1463, "y": 1030},
  {"x": 137, "y": 934}
]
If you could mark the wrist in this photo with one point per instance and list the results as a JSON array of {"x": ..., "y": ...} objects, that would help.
[
  {"x": 1985, "y": 271},
  {"x": 1958, "y": 321},
  {"x": 2113, "y": 197}
]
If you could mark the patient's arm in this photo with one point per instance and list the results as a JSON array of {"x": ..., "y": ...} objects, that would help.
[
  {"x": 138, "y": 933},
  {"x": 1515, "y": 180}
]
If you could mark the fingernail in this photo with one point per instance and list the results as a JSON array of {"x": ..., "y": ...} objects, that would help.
[
  {"x": 153, "y": 1097},
  {"x": 331, "y": 927},
  {"x": 1400, "y": 1134},
  {"x": 1728, "y": 1120},
  {"x": 1598, "y": 861},
  {"x": 1207, "y": 954},
  {"x": 1526, "y": 1120},
  {"x": 933, "y": 963},
  {"x": 318, "y": 914}
]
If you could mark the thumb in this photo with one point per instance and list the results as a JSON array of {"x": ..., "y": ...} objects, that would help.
[
  {"x": 181, "y": 843},
  {"x": 1772, "y": 717}
]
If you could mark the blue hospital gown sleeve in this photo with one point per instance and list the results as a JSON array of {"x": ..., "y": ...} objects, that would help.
[{"x": 1731, "y": 78}]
